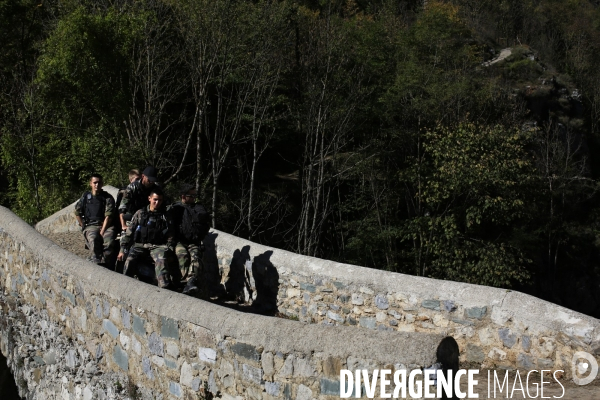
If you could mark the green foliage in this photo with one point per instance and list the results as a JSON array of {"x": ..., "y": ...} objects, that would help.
[
  {"x": 472, "y": 197},
  {"x": 369, "y": 132}
]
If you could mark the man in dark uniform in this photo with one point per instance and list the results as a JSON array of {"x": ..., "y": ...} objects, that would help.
[
  {"x": 94, "y": 212},
  {"x": 150, "y": 236},
  {"x": 191, "y": 223},
  {"x": 136, "y": 195}
]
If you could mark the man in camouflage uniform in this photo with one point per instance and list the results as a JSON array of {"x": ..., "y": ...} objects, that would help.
[
  {"x": 191, "y": 226},
  {"x": 150, "y": 236},
  {"x": 94, "y": 212},
  {"x": 136, "y": 195}
]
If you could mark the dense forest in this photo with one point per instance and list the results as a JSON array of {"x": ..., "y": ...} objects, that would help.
[{"x": 381, "y": 133}]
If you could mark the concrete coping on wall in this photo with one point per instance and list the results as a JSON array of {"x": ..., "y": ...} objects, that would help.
[{"x": 272, "y": 334}]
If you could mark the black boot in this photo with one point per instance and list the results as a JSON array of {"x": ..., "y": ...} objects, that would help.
[{"x": 191, "y": 288}]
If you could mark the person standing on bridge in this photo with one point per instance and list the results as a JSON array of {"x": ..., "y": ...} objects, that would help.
[
  {"x": 191, "y": 222},
  {"x": 94, "y": 212}
]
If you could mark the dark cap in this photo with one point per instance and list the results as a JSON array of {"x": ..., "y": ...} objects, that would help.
[{"x": 150, "y": 173}]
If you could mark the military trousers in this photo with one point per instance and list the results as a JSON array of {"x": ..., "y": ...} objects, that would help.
[
  {"x": 188, "y": 257},
  {"x": 141, "y": 257},
  {"x": 100, "y": 246}
]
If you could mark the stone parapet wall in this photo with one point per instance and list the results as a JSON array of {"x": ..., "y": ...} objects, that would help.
[
  {"x": 71, "y": 329},
  {"x": 495, "y": 328}
]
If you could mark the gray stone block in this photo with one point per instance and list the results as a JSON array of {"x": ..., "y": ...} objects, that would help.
[
  {"x": 462, "y": 321},
  {"x": 303, "y": 367},
  {"x": 288, "y": 367},
  {"x": 357, "y": 299},
  {"x": 344, "y": 298},
  {"x": 110, "y": 328},
  {"x": 98, "y": 310},
  {"x": 252, "y": 374},
  {"x": 169, "y": 328},
  {"x": 155, "y": 344},
  {"x": 308, "y": 287},
  {"x": 304, "y": 393},
  {"x": 212, "y": 384},
  {"x": 72, "y": 360},
  {"x": 196, "y": 382},
  {"x": 126, "y": 319},
  {"x": 526, "y": 343},
  {"x": 368, "y": 322},
  {"x": 50, "y": 357},
  {"x": 175, "y": 389},
  {"x": 246, "y": 350},
  {"x": 139, "y": 326},
  {"x": 476, "y": 312},
  {"x": 267, "y": 363},
  {"x": 334, "y": 307},
  {"x": 474, "y": 354},
  {"x": 508, "y": 338},
  {"x": 329, "y": 387},
  {"x": 147, "y": 367},
  {"x": 287, "y": 392},
  {"x": 339, "y": 285},
  {"x": 69, "y": 296},
  {"x": 448, "y": 305},
  {"x": 524, "y": 361},
  {"x": 170, "y": 363},
  {"x": 121, "y": 358},
  {"x": 37, "y": 360},
  {"x": 381, "y": 327},
  {"x": 431, "y": 304},
  {"x": 335, "y": 317},
  {"x": 273, "y": 388},
  {"x": 381, "y": 302}
]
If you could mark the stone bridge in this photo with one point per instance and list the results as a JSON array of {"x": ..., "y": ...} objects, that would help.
[{"x": 73, "y": 330}]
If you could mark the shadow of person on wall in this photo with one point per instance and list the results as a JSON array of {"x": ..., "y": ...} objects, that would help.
[
  {"x": 447, "y": 355},
  {"x": 239, "y": 282},
  {"x": 266, "y": 280}
]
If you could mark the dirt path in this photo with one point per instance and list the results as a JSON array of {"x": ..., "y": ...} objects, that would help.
[
  {"x": 72, "y": 241},
  {"x": 503, "y": 54}
]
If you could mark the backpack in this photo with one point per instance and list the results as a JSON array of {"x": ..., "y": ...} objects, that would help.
[{"x": 194, "y": 223}]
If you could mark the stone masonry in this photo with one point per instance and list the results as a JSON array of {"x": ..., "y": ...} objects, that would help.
[
  {"x": 348, "y": 318},
  {"x": 73, "y": 330}
]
